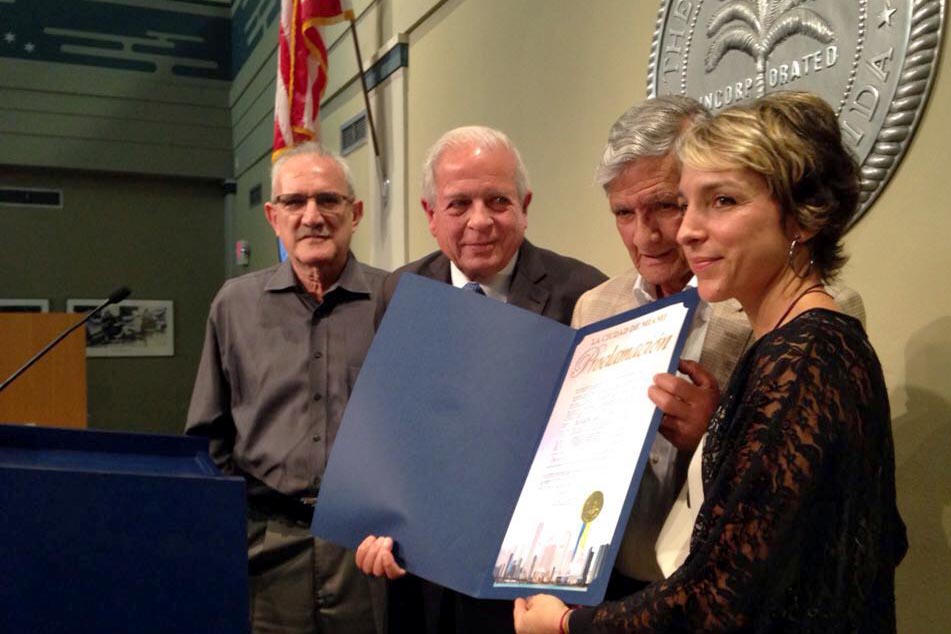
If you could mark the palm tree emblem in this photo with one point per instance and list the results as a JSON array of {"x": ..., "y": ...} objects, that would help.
[{"x": 758, "y": 27}]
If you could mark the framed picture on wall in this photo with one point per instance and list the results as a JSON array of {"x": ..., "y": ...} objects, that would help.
[
  {"x": 131, "y": 328},
  {"x": 24, "y": 305}
]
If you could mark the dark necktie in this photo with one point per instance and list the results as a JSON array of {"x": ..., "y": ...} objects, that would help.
[{"x": 473, "y": 287}]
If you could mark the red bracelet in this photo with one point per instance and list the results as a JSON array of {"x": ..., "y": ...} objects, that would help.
[{"x": 563, "y": 622}]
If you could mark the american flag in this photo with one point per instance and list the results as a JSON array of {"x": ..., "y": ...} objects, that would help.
[{"x": 302, "y": 68}]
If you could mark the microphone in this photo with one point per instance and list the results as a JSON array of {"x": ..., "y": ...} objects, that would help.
[{"x": 114, "y": 298}]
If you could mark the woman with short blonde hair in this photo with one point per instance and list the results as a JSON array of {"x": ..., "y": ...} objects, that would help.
[{"x": 799, "y": 530}]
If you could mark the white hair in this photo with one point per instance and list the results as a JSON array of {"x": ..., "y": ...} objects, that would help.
[
  {"x": 477, "y": 135},
  {"x": 650, "y": 128},
  {"x": 312, "y": 148}
]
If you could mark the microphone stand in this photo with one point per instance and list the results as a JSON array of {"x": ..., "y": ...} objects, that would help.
[{"x": 117, "y": 296}]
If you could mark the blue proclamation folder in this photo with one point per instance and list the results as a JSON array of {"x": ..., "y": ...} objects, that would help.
[{"x": 442, "y": 427}]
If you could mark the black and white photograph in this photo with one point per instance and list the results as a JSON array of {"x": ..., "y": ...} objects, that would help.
[
  {"x": 24, "y": 305},
  {"x": 132, "y": 328}
]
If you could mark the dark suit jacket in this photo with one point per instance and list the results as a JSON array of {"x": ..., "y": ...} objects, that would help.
[
  {"x": 547, "y": 284},
  {"x": 543, "y": 282}
]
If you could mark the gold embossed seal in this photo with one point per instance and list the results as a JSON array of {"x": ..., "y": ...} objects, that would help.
[{"x": 592, "y": 506}]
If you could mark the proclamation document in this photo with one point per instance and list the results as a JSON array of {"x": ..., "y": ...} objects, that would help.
[
  {"x": 571, "y": 504},
  {"x": 500, "y": 449}
]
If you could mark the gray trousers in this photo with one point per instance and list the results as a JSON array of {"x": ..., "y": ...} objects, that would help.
[{"x": 300, "y": 584}]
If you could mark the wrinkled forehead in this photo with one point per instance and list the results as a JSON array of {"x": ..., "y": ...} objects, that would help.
[
  {"x": 476, "y": 166},
  {"x": 649, "y": 176},
  {"x": 308, "y": 173}
]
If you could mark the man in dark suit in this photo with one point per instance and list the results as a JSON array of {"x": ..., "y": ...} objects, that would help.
[
  {"x": 544, "y": 282},
  {"x": 476, "y": 197}
]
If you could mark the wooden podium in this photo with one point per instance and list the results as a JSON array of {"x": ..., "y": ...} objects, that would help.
[{"x": 53, "y": 391}]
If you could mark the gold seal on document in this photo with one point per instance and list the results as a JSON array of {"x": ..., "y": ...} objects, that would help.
[{"x": 592, "y": 506}]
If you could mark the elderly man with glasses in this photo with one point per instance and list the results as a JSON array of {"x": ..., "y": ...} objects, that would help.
[{"x": 282, "y": 349}]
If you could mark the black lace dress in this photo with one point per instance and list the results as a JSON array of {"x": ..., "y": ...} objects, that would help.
[{"x": 799, "y": 531}]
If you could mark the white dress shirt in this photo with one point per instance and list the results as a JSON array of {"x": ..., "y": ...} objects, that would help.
[{"x": 497, "y": 287}]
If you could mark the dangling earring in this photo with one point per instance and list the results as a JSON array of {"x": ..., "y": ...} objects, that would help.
[{"x": 792, "y": 252}]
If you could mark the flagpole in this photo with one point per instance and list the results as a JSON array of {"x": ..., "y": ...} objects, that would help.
[{"x": 384, "y": 181}]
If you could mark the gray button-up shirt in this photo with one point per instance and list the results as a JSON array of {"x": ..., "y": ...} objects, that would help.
[{"x": 277, "y": 369}]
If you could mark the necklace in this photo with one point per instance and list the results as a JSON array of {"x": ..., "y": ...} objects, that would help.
[{"x": 815, "y": 288}]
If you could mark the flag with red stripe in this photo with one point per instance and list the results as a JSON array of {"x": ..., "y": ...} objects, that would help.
[{"x": 302, "y": 68}]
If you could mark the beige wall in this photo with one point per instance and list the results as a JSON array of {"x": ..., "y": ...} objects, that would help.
[
  {"x": 556, "y": 73},
  {"x": 525, "y": 68},
  {"x": 900, "y": 263}
]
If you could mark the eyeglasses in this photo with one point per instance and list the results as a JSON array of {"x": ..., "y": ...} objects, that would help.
[{"x": 330, "y": 204}]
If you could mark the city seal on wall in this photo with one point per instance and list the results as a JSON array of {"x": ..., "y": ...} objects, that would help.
[{"x": 874, "y": 61}]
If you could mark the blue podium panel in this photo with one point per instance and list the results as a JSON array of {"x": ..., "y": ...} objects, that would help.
[{"x": 116, "y": 532}]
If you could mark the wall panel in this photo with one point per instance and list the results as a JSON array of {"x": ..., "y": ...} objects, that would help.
[{"x": 148, "y": 80}]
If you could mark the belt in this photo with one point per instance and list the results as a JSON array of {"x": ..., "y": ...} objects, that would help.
[{"x": 271, "y": 503}]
